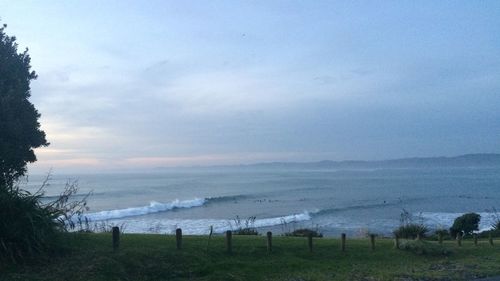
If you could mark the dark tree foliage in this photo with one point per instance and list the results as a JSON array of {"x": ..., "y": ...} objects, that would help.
[
  {"x": 20, "y": 130},
  {"x": 465, "y": 224}
]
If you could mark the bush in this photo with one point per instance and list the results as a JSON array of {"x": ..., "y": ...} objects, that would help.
[
  {"x": 496, "y": 226},
  {"x": 304, "y": 232},
  {"x": 465, "y": 224},
  {"x": 245, "y": 227},
  {"x": 410, "y": 231},
  {"x": 28, "y": 227},
  {"x": 245, "y": 231}
]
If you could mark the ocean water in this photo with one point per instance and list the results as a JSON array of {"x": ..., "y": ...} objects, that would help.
[{"x": 334, "y": 201}]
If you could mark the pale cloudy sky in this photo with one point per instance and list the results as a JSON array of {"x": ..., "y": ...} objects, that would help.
[{"x": 141, "y": 84}]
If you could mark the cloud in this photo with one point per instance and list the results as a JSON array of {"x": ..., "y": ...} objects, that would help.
[{"x": 186, "y": 83}]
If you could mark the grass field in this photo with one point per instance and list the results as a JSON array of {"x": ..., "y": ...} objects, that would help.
[{"x": 90, "y": 257}]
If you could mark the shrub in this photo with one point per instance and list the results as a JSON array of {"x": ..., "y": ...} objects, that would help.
[
  {"x": 465, "y": 224},
  {"x": 495, "y": 226},
  {"x": 245, "y": 227},
  {"x": 408, "y": 229},
  {"x": 411, "y": 231},
  {"x": 28, "y": 227},
  {"x": 304, "y": 232},
  {"x": 246, "y": 231}
]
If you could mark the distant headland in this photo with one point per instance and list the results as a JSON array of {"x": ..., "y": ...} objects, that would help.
[
  {"x": 476, "y": 160},
  {"x": 466, "y": 160}
]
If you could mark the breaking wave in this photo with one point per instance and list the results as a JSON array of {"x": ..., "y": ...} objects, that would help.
[{"x": 153, "y": 207}]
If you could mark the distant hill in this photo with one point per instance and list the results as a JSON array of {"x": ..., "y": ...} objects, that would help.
[{"x": 467, "y": 160}]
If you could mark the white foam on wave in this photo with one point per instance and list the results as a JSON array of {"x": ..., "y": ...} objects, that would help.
[
  {"x": 200, "y": 226},
  {"x": 445, "y": 220},
  {"x": 153, "y": 207}
]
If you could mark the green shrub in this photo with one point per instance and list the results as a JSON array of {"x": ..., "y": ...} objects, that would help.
[
  {"x": 496, "y": 226},
  {"x": 465, "y": 224},
  {"x": 245, "y": 227},
  {"x": 410, "y": 231},
  {"x": 26, "y": 227},
  {"x": 304, "y": 232},
  {"x": 246, "y": 231}
]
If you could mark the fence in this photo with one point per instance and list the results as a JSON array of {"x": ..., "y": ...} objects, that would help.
[{"x": 269, "y": 237}]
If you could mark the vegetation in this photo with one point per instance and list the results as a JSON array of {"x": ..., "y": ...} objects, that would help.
[
  {"x": 246, "y": 231},
  {"x": 19, "y": 126},
  {"x": 245, "y": 227},
  {"x": 27, "y": 227},
  {"x": 89, "y": 257},
  {"x": 409, "y": 229},
  {"x": 304, "y": 232},
  {"x": 465, "y": 224}
]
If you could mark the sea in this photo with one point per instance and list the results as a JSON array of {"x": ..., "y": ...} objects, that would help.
[{"x": 356, "y": 202}]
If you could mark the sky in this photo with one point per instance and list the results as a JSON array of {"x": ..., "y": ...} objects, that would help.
[{"x": 126, "y": 85}]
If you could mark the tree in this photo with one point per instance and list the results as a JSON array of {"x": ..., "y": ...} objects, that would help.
[
  {"x": 20, "y": 130},
  {"x": 465, "y": 224},
  {"x": 28, "y": 225}
]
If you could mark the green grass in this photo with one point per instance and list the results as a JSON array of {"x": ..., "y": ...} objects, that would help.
[{"x": 154, "y": 257}]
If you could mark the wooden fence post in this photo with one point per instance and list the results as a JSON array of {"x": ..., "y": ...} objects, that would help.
[
  {"x": 342, "y": 245},
  {"x": 459, "y": 239},
  {"x": 396, "y": 241},
  {"x": 372, "y": 241},
  {"x": 310, "y": 242},
  {"x": 440, "y": 238},
  {"x": 269, "y": 241},
  {"x": 178, "y": 238},
  {"x": 116, "y": 237},
  {"x": 475, "y": 239},
  {"x": 229, "y": 243},
  {"x": 490, "y": 239}
]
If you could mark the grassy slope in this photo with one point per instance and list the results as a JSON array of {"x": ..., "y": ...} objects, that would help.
[{"x": 153, "y": 257}]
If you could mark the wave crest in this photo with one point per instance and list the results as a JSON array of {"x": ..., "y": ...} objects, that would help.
[{"x": 153, "y": 207}]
